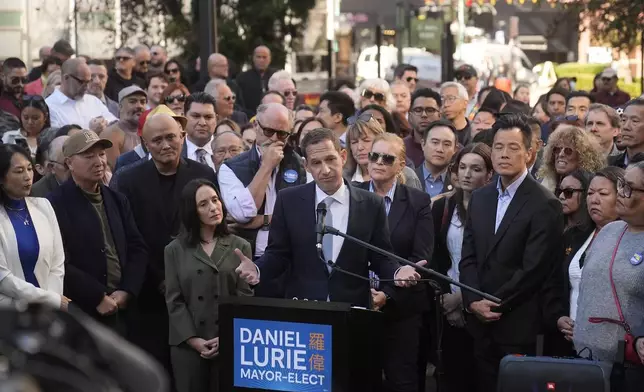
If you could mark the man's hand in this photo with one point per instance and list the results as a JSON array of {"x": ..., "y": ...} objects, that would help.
[
  {"x": 565, "y": 325},
  {"x": 198, "y": 344},
  {"x": 482, "y": 310},
  {"x": 247, "y": 270},
  {"x": 98, "y": 124},
  {"x": 407, "y": 275},
  {"x": 121, "y": 298},
  {"x": 639, "y": 345},
  {"x": 213, "y": 348},
  {"x": 64, "y": 303},
  {"x": 107, "y": 306},
  {"x": 273, "y": 154},
  {"x": 379, "y": 299},
  {"x": 451, "y": 302}
]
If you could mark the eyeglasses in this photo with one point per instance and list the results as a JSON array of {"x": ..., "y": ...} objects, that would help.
[
  {"x": 566, "y": 150},
  {"x": 567, "y": 192},
  {"x": 429, "y": 111},
  {"x": 233, "y": 150},
  {"x": 463, "y": 77},
  {"x": 122, "y": 58},
  {"x": 172, "y": 70},
  {"x": 625, "y": 190},
  {"x": 171, "y": 98},
  {"x": 229, "y": 98},
  {"x": 365, "y": 117},
  {"x": 572, "y": 117},
  {"x": 449, "y": 99},
  {"x": 290, "y": 92},
  {"x": 18, "y": 80},
  {"x": 144, "y": 62},
  {"x": 368, "y": 94},
  {"x": 410, "y": 78},
  {"x": 606, "y": 79},
  {"x": 269, "y": 132},
  {"x": 79, "y": 80},
  {"x": 387, "y": 159},
  {"x": 35, "y": 98}
]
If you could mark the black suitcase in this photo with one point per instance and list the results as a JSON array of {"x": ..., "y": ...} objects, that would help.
[{"x": 546, "y": 374}]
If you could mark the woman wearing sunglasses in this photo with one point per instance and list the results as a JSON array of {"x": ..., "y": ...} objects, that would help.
[
  {"x": 410, "y": 226},
  {"x": 174, "y": 96},
  {"x": 375, "y": 91},
  {"x": 600, "y": 204},
  {"x": 174, "y": 70},
  {"x": 571, "y": 192},
  {"x": 360, "y": 136},
  {"x": 34, "y": 118},
  {"x": 569, "y": 148},
  {"x": 474, "y": 167},
  {"x": 610, "y": 307}
]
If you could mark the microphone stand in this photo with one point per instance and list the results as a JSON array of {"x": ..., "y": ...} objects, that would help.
[
  {"x": 437, "y": 290},
  {"x": 334, "y": 231}
]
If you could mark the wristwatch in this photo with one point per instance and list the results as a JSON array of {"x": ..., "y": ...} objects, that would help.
[{"x": 267, "y": 224}]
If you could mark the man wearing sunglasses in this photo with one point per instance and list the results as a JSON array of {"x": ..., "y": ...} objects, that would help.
[
  {"x": 250, "y": 181},
  {"x": 70, "y": 104},
  {"x": 468, "y": 77},
  {"x": 609, "y": 94},
  {"x": 407, "y": 74},
  {"x": 122, "y": 75},
  {"x": 282, "y": 82},
  {"x": 225, "y": 99},
  {"x": 142, "y": 59},
  {"x": 158, "y": 58},
  {"x": 14, "y": 80}
]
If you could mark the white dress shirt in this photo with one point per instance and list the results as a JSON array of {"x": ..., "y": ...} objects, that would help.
[
  {"x": 454, "y": 247},
  {"x": 340, "y": 212},
  {"x": 64, "y": 110},
  {"x": 192, "y": 152},
  {"x": 505, "y": 198},
  {"x": 241, "y": 205},
  {"x": 574, "y": 273}
]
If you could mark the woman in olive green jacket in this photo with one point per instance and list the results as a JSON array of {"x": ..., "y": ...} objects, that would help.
[{"x": 200, "y": 271}]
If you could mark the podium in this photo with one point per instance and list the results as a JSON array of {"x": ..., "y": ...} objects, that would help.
[{"x": 298, "y": 345}]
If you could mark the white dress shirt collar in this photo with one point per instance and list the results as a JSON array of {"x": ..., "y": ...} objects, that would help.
[
  {"x": 192, "y": 148},
  {"x": 341, "y": 195}
]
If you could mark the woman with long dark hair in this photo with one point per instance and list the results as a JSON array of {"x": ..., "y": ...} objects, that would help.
[
  {"x": 571, "y": 192},
  {"x": 34, "y": 118},
  {"x": 31, "y": 247},
  {"x": 200, "y": 271},
  {"x": 474, "y": 164}
]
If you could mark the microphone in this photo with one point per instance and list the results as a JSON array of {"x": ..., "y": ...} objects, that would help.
[{"x": 319, "y": 224}]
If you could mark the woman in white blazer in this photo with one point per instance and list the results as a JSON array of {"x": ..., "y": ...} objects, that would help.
[{"x": 31, "y": 248}]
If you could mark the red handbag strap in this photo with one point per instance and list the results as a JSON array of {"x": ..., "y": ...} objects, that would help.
[{"x": 622, "y": 320}]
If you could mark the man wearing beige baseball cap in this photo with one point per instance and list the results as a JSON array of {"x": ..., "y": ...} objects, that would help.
[
  {"x": 106, "y": 257},
  {"x": 609, "y": 94}
]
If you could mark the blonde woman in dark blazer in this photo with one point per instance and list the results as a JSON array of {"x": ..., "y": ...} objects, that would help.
[
  {"x": 31, "y": 249},
  {"x": 200, "y": 271}
]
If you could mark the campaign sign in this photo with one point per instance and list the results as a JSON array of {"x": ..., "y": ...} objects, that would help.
[{"x": 282, "y": 356}]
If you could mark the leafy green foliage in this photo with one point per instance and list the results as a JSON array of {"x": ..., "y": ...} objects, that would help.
[{"x": 242, "y": 24}]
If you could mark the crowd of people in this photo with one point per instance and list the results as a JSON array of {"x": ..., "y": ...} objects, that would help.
[{"x": 144, "y": 202}]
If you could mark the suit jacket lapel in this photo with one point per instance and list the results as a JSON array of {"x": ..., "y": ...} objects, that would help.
[
  {"x": 518, "y": 201},
  {"x": 398, "y": 208},
  {"x": 221, "y": 249}
]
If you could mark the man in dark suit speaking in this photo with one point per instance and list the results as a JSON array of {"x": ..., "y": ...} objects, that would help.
[
  {"x": 511, "y": 243},
  {"x": 292, "y": 237}
]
